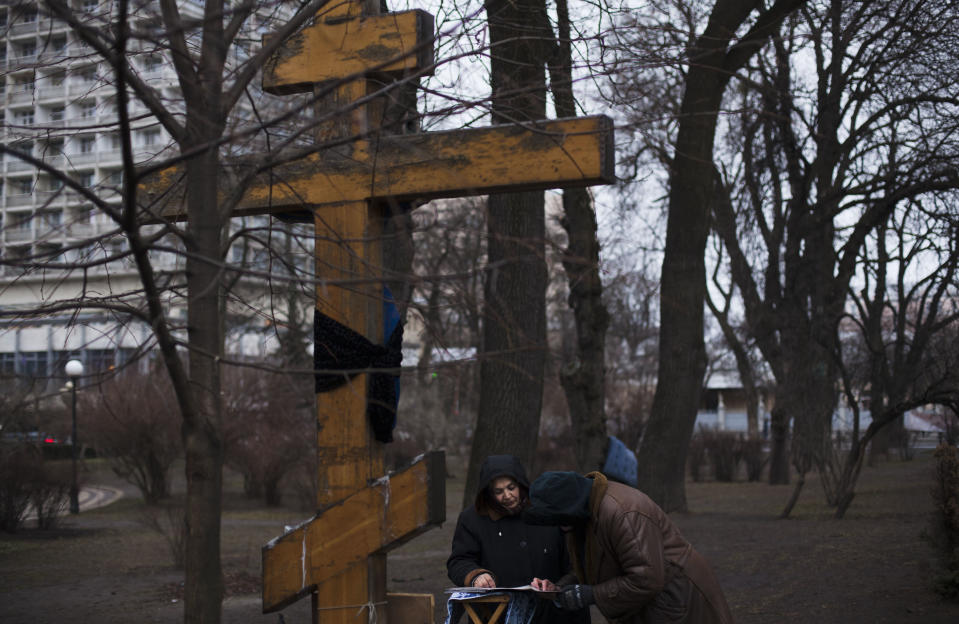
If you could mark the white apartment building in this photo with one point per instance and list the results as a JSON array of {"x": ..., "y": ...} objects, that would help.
[{"x": 57, "y": 104}]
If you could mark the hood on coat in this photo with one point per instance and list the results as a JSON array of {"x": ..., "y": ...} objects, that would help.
[
  {"x": 559, "y": 498},
  {"x": 494, "y": 467}
]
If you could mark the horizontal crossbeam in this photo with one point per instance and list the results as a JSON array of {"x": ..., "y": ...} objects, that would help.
[
  {"x": 551, "y": 154},
  {"x": 379, "y": 517}
]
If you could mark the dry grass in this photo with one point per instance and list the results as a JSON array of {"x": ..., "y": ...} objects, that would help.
[{"x": 106, "y": 567}]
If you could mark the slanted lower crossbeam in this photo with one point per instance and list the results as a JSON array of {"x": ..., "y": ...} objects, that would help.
[{"x": 381, "y": 516}]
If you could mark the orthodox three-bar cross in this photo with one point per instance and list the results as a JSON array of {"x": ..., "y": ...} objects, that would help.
[{"x": 346, "y": 55}]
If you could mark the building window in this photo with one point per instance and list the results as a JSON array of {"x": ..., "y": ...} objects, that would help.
[
  {"x": 26, "y": 85},
  {"x": 88, "y": 110},
  {"x": 8, "y": 361},
  {"x": 85, "y": 180},
  {"x": 33, "y": 364},
  {"x": 87, "y": 144},
  {"x": 56, "y": 113},
  {"x": 53, "y": 147},
  {"x": 28, "y": 16},
  {"x": 57, "y": 78},
  {"x": 24, "y": 187},
  {"x": 151, "y": 137},
  {"x": 23, "y": 222},
  {"x": 51, "y": 219},
  {"x": 152, "y": 64},
  {"x": 91, "y": 5},
  {"x": 23, "y": 117},
  {"x": 27, "y": 49},
  {"x": 100, "y": 360}
]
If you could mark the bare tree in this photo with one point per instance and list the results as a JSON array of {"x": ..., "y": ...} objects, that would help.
[
  {"x": 583, "y": 373},
  {"x": 826, "y": 159},
  {"x": 130, "y": 420},
  {"x": 734, "y": 32},
  {"x": 211, "y": 52},
  {"x": 514, "y": 313},
  {"x": 907, "y": 318}
]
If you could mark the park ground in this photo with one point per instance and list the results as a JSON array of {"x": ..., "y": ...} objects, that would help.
[{"x": 106, "y": 566}]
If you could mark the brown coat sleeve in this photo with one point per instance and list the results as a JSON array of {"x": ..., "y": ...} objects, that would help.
[{"x": 634, "y": 542}]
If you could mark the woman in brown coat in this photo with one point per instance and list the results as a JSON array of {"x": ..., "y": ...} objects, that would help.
[{"x": 631, "y": 560}]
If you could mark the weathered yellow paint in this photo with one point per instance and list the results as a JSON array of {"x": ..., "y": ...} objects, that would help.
[
  {"x": 377, "y": 518},
  {"x": 347, "y": 252},
  {"x": 561, "y": 153},
  {"x": 392, "y": 43}
]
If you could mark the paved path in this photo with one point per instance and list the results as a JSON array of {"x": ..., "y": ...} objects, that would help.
[
  {"x": 93, "y": 496},
  {"x": 89, "y": 497}
]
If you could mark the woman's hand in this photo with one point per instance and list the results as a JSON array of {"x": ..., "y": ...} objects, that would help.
[
  {"x": 544, "y": 585},
  {"x": 484, "y": 580}
]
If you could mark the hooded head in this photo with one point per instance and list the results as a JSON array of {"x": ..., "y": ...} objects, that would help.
[
  {"x": 493, "y": 468},
  {"x": 559, "y": 499}
]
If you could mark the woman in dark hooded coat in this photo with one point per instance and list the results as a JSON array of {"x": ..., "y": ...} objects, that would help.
[{"x": 493, "y": 547}]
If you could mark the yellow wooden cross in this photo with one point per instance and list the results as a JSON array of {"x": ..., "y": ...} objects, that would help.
[{"x": 339, "y": 555}]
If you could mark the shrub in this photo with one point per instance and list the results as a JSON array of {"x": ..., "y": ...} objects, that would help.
[
  {"x": 19, "y": 464},
  {"x": 50, "y": 493},
  {"x": 696, "y": 456},
  {"x": 944, "y": 530},
  {"x": 725, "y": 449},
  {"x": 25, "y": 479},
  {"x": 133, "y": 420},
  {"x": 269, "y": 428},
  {"x": 754, "y": 458},
  {"x": 170, "y": 522}
]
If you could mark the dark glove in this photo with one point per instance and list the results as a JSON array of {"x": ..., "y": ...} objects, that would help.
[{"x": 574, "y": 597}]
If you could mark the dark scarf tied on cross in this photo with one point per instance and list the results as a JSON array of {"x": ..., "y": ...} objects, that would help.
[{"x": 339, "y": 353}]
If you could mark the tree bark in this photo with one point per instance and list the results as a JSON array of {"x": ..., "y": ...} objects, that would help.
[
  {"x": 682, "y": 351},
  {"x": 513, "y": 353},
  {"x": 682, "y": 363},
  {"x": 584, "y": 376}
]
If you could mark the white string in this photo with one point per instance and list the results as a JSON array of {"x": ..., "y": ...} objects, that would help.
[{"x": 370, "y": 606}]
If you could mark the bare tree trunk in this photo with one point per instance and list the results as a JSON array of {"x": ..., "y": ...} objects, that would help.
[
  {"x": 513, "y": 354},
  {"x": 779, "y": 451},
  {"x": 584, "y": 377},
  {"x": 202, "y": 429},
  {"x": 682, "y": 356}
]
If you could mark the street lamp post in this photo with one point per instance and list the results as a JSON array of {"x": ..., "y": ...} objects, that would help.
[{"x": 74, "y": 369}]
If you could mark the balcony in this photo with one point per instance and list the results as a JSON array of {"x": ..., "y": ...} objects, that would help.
[
  {"x": 84, "y": 158},
  {"x": 80, "y": 230},
  {"x": 86, "y": 87},
  {"x": 23, "y": 28},
  {"x": 48, "y": 25},
  {"x": 50, "y": 55},
  {"x": 16, "y": 63},
  {"x": 20, "y": 96},
  {"x": 50, "y": 198},
  {"x": 20, "y": 199},
  {"x": 18, "y": 235},
  {"x": 57, "y": 92},
  {"x": 16, "y": 164},
  {"x": 58, "y": 161}
]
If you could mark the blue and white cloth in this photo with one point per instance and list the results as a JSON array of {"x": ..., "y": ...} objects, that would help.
[{"x": 520, "y": 609}]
